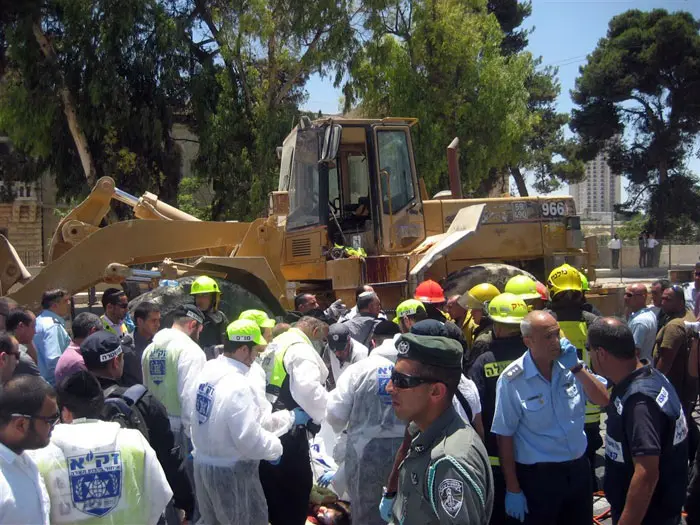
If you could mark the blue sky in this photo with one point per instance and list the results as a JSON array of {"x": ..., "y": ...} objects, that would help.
[{"x": 565, "y": 31}]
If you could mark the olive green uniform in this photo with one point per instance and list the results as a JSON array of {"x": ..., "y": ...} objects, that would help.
[{"x": 446, "y": 477}]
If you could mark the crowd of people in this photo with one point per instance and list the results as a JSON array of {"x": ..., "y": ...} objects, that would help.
[{"x": 483, "y": 407}]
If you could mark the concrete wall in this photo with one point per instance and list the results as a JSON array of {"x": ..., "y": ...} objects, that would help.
[{"x": 680, "y": 255}]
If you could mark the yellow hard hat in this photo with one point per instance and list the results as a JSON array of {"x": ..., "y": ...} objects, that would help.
[
  {"x": 204, "y": 284},
  {"x": 522, "y": 286},
  {"x": 563, "y": 278},
  {"x": 507, "y": 308},
  {"x": 475, "y": 298},
  {"x": 484, "y": 292},
  {"x": 584, "y": 282}
]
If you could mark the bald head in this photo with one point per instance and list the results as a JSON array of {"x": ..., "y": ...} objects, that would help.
[
  {"x": 635, "y": 297},
  {"x": 541, "y": 335},
  {"x": 535, "y": 320}
]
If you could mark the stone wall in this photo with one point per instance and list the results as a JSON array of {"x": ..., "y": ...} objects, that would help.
[{"x": 20, "y": 221}]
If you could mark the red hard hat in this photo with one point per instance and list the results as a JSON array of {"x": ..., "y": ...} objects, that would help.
[
  {"x": 543, "y": 291},
  {"x": 430, "y": 292}
]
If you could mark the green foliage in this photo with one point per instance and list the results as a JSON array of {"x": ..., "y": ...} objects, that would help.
[
  {"x": 637, "y": 98},
  {"x": 442, "y": 62},
  {"x": 630, "y": 229},
  {"x": 121, "y": 64}
]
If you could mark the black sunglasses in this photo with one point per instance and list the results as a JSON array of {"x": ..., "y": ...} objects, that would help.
[
  {"x": 404, "y": 381},
  {"x": 51, "y": 420}
]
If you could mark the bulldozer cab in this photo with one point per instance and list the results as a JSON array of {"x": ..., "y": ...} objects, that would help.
[{"x": 356, "y": 179}]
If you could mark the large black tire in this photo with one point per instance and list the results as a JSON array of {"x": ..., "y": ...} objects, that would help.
[
  {"x": 495, "y": 273},
  {"x": 234, "y": 299}
]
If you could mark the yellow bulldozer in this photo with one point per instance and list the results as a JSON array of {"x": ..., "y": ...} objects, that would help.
[{"x": 350, "y": 209}]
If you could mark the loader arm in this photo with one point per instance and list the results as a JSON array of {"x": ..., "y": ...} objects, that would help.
[
  {"x": 87, "y": 217},
  {"x": 140, "y": 242}
]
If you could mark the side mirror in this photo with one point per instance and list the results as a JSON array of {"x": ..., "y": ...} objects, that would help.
[{"x": 331, "y": 142}]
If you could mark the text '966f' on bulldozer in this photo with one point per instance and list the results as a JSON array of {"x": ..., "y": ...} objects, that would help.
[{"x": 349, "y": 210}]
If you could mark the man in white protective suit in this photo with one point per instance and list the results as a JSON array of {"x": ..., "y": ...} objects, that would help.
[
  {"x": 97, "y": 471},
  {"x": 361, "y": 407},
  {"x": 228, "y": 439}
]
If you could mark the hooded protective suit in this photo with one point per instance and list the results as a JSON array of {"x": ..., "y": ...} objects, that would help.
[
  {"x": 98, "y": 472},
  {"x": 361, "y": 405},
  {"x": 229, "y": 443},
  {"x": 170, "y": 365}
]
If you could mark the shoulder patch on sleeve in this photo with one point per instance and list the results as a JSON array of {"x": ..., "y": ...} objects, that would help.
[
  {"x": 451, "y": 493},
  {"x": 513, "y": 371}
]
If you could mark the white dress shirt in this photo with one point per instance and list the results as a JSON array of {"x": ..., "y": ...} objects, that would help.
[{"x": 23, "y": 495}]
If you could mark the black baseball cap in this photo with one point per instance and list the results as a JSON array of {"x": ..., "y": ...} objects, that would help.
[
  {"x": 338, "y": 336},
  {"x": 99, "y": 348}
]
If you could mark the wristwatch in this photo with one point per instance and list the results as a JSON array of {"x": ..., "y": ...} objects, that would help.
[
  {"x": 388, "y": 495},
  {"x": 576, "y": 368}
]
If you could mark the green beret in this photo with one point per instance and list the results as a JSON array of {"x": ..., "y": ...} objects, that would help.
[{"x": 430, "y": 350}]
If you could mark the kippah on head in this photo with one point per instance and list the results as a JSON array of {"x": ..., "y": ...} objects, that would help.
[
  {"x": 434, "y": 351},
  {"x": 189, "y": 310},
  {"x": 386, "y": 328}
]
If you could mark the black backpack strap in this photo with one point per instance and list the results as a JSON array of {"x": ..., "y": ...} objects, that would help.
[
  {"x": 134, "y": 393},
  {"x": 465, "y": 405}
]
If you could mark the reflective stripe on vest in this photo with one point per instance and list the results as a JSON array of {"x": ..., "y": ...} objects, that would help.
[
  {"x": 109, "y": 328},
  {"x": 279, "y": 373},
  {"x": 98, "y": 486},
  {"x": 159, "y": 369},
  {"x": 495, "y": 461},
  {"x": 577, "y": 333}
]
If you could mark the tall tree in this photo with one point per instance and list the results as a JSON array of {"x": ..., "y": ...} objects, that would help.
[
  {"x": 253, "y": 60},
  {"x": 441, "y": 61},
  {"x": 638, "y": 98},
  {"x": 89, "y": 88}
]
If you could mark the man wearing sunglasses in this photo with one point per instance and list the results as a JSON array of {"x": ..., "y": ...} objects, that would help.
[
  {"x": 28, "y": 412},
  {"x": 445, "y": 478},
  {"x": 116, "y": 305}
]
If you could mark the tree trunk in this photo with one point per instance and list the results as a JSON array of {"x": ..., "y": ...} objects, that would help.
[
  {"x": 519, "y": 181},
  {"x": 79, "y": 138}
]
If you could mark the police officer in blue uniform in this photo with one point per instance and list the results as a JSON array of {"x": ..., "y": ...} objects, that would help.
[
  {"x": 646, "y": 445},
  {"x": 539, "y": 419}
]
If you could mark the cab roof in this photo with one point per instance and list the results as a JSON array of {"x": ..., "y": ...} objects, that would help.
[{"x": 339, "y": 119}]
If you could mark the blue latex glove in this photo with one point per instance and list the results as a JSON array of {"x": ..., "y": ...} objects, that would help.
[
  {"x": 569, "y": 355},
  {"x": 326, "y": 479},
  {"x": 275, "y": 461},
  {"x": 386, "y": 508},
  {"x": 300, "y": 417},
  {"x": 516, "y": 505}
]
